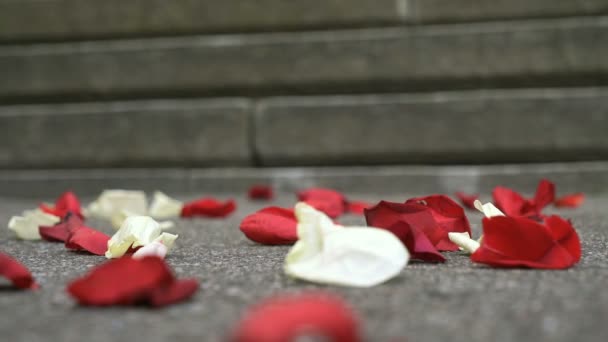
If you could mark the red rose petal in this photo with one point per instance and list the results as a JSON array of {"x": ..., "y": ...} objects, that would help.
[
  {"x": 448, "y": 215},
  {"x": 87, "y": 239},
  {"x": 522, "y": 242},
  {"x": 466, "y": 199},
  {"x": 570, "y": 200},
  {"x": 512, "y": 203},
  {"x": 18, "y": 274},
  {"x": 61, "y": 231},
  {"x": 417, "y": 243},
  {"x": 271, "y": 226},
  {"x": 545, "y": 195},
  {"x": 263, "y": 192},
  {"x": 358, "y": 207},
  {"x": 66, "y": 203},
  {"x": 128, "y": 281},
  {"x": 328, "y": 201},
  {"x": 287, "y": 317},
  {"x": 208, "y": 207}
]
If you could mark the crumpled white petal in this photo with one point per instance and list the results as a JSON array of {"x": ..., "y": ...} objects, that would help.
[
  {"x": 349, "y": 256},
  {"x": 488, "y": 209},
  {"x": 137, "y": 231},
  {"x": 26, "y": 226},
  {"x": 464, "y": 241},
  {"x": 155, "y": 248},
  {"x": 164, "y": 206},
  {"x": 112, "y": 204}
]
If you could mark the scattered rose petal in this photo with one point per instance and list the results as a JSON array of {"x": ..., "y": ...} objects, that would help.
[
  {"x": 488, "y": 209},
  {"x": 449, "y": 216},
  {"x": 467, "y": 199},
  {"x": 570, "y": 200},
  {"x": 128, "y": 281},
  {"x": 208, "y": 207},
  {"x": 286, "y": 318},
  {"x": 113, "y": 202},
  {"x": 27, "y": 226},
  {"x": 87, "y": 239},
  {"x": 522, "y": 242},
  {"x": 358, "y": 207},
  {"x": 260, "y": 192},
  {"x": 329, "y": 201},
  {"x": 66, "y": 203},
  {"x": 164, "y": 206},
  {"x": 514, "y": 204},
  {"x": 350, "y": 256},
  {"x": 16, "y": 273},
  {"x": 271, "y": 226},
  {"x": 417, "y": 243},
  {"x": 137, "y": 231},
  {"x": 155, "y": 248},
  {"x": 61, "y": 231},
  {"x": 464, "y": 242}
]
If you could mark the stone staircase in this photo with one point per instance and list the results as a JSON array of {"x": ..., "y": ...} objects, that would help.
[{"x": 152, "y": 83}]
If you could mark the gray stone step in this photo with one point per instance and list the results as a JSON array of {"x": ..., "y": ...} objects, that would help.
[
  {"x": 550, "y": 52},
  {"x": 153, "y": 133},
  {"x": 78, "y": 19},
  {"x": 442, "y": 128}
]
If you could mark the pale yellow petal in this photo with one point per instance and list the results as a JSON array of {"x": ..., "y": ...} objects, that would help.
[
  {"x": 113, "y": 202},
  {"x": 464, "y": 241},
  {"x": 26, "y": 226},
  {"x": 488, "y": 209},
  {"x": 164, "y": 206},
  {"x": 137, "y": 231}
]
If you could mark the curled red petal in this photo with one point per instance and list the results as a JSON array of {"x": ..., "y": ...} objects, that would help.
[
  {"x": 16, "y": 273},
  {"x": 417, "y": 243},
  {"x": 545, "y": 195},
  {"x": 467, "y": 200},
  {"x": 61, "y": 231},
  {"x": 512, "y": 203},
  {"x": 66, "y": 203},
  {"x": 449, "y": 216},
  {"x": 128, "y": 281},
  {"x": 522, "y": 242},
  {"x": 284, "y": 318},
  {"x": 208, "y": 207},
  {"x": 570, "y": 200},
  {"x": 87, "y": 239},
  {"x": 329, "y": 201},
  {"x": 271, "y": 226},
  {"x": 358, "y": 207},
  {"x": 262, "y": 192}
]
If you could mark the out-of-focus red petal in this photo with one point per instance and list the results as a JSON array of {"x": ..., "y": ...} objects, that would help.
[
  {"x": 511, "y": 203},
  {"x": 271, "y": 226},
  {"x": 545, "y": 194},
  {"x": 16, "y": 273},
  {"x": 128, "y": 281},
  {"x": 84, "y": 238},
  {"x": 208, "y": 207},
  {"x": 263, "y": 192},
  {"x": 285, "y": 318},
  {"x": 417, "y": 243},
  {"x": 467, "y": 200},
  {"x": 328, "y": 201},
  {"x": 358, "y": 207},
  {"x": 66, "y": 203},
  {"x": 61, "y": 231},
  {"x": 448, "y": 215},
  {"x": 570, "y": 200},
  {"x": 522, "y": 242}
]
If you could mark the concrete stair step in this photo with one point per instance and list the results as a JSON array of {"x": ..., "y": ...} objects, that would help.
[
  {"x": 545, "y": 53},
  {"x": 28, "y": 20}
]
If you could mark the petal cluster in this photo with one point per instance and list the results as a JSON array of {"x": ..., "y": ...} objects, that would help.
[
  {"x": 137, "y": 231},
  {"x": 514, "y": 204}
]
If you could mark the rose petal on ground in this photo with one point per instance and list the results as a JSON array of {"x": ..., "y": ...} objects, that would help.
[
  {"x": 358, "y": 207},
  {"x": 66, "y": 203},
  {"x": 155, "y": 248},
  {"x": 164, "y": 206},
  {"x": 16, "y": 273},
  {"x": 464, "y": 242},
  {"x": 260, "y": 192},
  {"x": 331, "y": 202},
  {"x": 27, "y": 226},
  {"x": 417, "y": 243},
  {"x": 467, "y": 200},
  {"x": 288, "y": 317},
  {"x": 87, "y": 239},
  {"x": 208, "y": 207},
  {"x": 61, "y": 231},
  {"x": 113, "y": 202},
  {"x": 271, "y": 226},
  {"x": 570, "y": 200},
  {"x": 137, "y": 231},
  {"x": 488, "y": 209}
]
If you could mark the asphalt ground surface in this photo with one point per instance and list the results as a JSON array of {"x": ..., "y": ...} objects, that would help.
[{"x": 454, "y": 301}]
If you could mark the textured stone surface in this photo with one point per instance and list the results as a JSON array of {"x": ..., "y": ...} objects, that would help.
[
  {"x": 440, "y": 128},
  {"x": 123, "y": 134},
  {"x": 553, "y": 52},
  {"x": 79, "y": 19},
  {"x": 455, "y": 301}
]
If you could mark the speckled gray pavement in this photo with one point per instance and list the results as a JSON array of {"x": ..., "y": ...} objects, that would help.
[{"x": 455, "y": 301}]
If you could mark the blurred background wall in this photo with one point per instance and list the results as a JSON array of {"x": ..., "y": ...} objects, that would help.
[{"x": 156, "y": 83}]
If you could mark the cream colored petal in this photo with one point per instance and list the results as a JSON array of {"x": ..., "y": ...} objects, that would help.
[
  {"x": 26, "y": 226},
  {"x": 349, "y": 256},
  {"x": 464, "y": 241},
  {"x": 154, "y": 249},
  {"x": 137, "y": 231},
  {"x": 164, "y": 206},
  {"x": 488, "y": 209},
  {"x": 113, "y": 202}
]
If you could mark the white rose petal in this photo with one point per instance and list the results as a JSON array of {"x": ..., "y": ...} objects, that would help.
[
  {"x": 349, "y": 256},
  {"x": 488, "y": 209},
  {"x": 26, "y": 226},
  {"x": 464, "y": 241},
  {"x": 153, "y": 249},
  {"x": 137, "y": 231},
  {"x": 164, "y": 206},
  {"x": 112, "y": 204}
]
